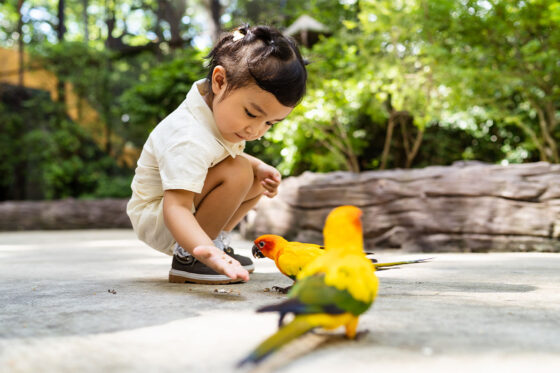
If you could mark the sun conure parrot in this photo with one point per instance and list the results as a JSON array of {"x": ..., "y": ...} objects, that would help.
[
  {"x": 331, "y": 291},
  {"x": 291, "y": 257}
]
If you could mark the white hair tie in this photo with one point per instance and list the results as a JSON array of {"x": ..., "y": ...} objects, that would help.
[{"x": 238, "y": 35}]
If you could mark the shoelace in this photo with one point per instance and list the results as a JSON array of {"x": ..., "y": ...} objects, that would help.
[{"x": 191, "y": 260}]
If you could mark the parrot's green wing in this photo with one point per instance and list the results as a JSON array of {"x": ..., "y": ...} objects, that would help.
[
  {"x": 313, "y": 290},
  {"x": 312, "y": 295}
]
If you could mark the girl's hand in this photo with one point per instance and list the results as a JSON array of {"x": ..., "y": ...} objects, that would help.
[
  {"x": 220, "y": 262},
  {"x": 269, "y": 177}
]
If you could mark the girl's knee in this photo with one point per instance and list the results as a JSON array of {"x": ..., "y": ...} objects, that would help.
[
  {"x": 240, "y": 165},
  {"x": 238, "y": 170}
]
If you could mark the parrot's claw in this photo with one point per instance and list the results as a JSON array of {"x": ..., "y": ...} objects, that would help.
[
  {"x": 361, "y": 334},
  {"x": 281, "y": 289}
]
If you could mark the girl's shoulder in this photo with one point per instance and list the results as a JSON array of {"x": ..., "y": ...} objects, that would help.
[
  {"x": 182, "y": 123},
  {"x": 181, "y": 133}
]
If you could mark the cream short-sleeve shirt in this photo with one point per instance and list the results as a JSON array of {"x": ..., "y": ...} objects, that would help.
[{"x": 177, "y": 155}]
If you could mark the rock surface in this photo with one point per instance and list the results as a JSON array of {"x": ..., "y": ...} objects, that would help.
[
  {"x": 465, "y": 207},
  {"x": 63, "y": 214},
  {"x": 99, "y": 301}
]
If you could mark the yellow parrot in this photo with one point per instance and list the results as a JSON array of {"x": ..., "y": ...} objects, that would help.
[
  {"x": 291, "y": 257},
  {"x": 331, "y": 291}
]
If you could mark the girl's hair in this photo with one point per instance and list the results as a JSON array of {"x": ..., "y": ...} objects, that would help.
[{"x": 263, "y": 56}]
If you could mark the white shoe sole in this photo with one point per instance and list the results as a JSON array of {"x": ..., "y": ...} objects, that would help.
[{"x": 181, "y": 277}]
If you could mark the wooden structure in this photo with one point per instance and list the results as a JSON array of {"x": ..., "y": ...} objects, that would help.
[
  {"x": 36, "y": 77},
  {"x": 306, "y": 30}
]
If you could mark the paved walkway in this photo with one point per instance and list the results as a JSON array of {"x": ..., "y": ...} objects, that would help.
[{"x": 99, "y": 301}]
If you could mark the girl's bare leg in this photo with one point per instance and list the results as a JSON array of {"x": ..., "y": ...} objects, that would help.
[
  {"x": 228, "y": 194},
  {"x": 251, "y": 199}
]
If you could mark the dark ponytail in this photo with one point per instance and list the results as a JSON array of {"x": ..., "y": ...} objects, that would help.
[{"x": 261, "y": 55}]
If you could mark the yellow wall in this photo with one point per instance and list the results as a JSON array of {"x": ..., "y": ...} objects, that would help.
[{"x": 78, "y": 109}]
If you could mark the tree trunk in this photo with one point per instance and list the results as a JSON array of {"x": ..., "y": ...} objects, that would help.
[
  {"x": 547, "y": 124},
  {"x": 388, "y": 138},
  {"x": 215, "y": 10},
  {"x": 60, "y": 31},
  {"x": 107, "y": 111},
  {"x": 171, "y": 11},
  {"x": 117, "y": 44},
  {"x": 20, "y": 45},
  {"x": 406, "y": 120},
  {"x": 85, "y": 20},
  {"x": 417, "y": 142}
]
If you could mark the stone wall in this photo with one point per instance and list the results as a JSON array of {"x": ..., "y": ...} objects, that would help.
[
  {"x": 63, "y": 214},
  {"x": 465, "y": 207}
]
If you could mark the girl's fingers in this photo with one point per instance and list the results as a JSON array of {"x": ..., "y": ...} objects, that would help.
[
  {"x": 270, "y": 193},
  {"x": 221, "y": 262},
  {"x": 271, "y": 183},
  {"x": 271, "y": 186},
  {"x": 268, "y": 190},
  {"x": 243, "y": 274}
]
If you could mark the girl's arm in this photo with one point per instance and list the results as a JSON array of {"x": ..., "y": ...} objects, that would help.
[
  {"x": 268, "y": 176},
  {"x": 190, "y": 236},
  {"x": 255, "y": 162}
]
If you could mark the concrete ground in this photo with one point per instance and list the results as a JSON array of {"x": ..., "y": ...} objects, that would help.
[{"x": 99, "y": 301}]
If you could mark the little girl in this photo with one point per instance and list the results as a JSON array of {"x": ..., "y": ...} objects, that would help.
[{"x": 193, "y": 183}]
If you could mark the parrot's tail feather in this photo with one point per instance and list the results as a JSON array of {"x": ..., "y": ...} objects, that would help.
[
  {"x": 299, "y": 326},
  {"x": 380, "y": 266},
  {"x": 290, "y": 305},
  {"x": 281, "y": 319},
  {"x": 386, "y": 268}
]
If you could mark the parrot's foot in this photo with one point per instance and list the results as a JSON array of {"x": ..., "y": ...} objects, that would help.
[
  {"x": 322, "y": 332},
  {"x": 281, "y": 290},
  {"x": 361, "y": 334}
]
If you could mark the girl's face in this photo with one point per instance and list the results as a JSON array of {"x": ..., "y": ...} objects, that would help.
[{"x": 245, "y": 113}]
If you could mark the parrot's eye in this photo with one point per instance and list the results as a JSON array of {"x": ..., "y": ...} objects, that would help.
[{"x": 261, "y": 244}]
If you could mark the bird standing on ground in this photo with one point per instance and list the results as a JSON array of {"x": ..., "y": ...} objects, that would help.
[
  {"x": 332, "y": 290},
  {"x": 291, "y": 257}
]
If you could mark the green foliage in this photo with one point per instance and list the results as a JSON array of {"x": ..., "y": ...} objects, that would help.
[
  {"x": 329, "y": 129},
  {"x": 503, "y": 61},
  {"x": 96, "y": 76},
  {"x": 281, "y": 13},
  {"x": 446, "y": 143},
  {"x": 159, "y": 92},
  {"x": 111, "y": 186},
  {"x": 46, "y": 155},
  {"x": 477, "y": 80}
]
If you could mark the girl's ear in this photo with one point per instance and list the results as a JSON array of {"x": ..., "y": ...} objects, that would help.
[{"x": 219, "y": 81}]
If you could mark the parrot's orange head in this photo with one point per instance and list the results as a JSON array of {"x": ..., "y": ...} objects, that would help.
[
  {"x": 345, "y": 215},
  {"x": 343, "y": 228},
  {"x": 267, "y": 246}
]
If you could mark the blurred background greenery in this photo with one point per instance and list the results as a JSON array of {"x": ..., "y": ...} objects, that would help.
[{"x": 393, "y": 84}]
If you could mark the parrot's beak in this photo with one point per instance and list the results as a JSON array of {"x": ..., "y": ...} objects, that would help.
[{"x": 256, "y": 252}]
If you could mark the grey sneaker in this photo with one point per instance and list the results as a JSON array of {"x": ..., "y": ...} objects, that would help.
[
  {"x": 190, "y": 269},
  {"x": 246, "y": 262},
  {"x": 186, "y": 268},
  {"x": 223, "y": 242}
]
